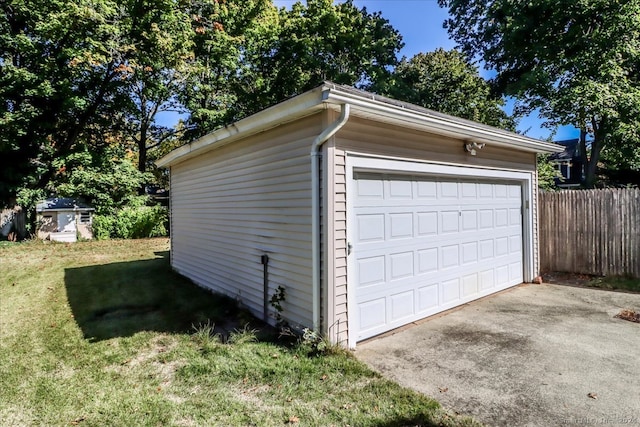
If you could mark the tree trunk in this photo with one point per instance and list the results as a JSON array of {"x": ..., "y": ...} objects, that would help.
[
  {"x": 142, "y": 155},
  {"x": 590, "y": 162}
]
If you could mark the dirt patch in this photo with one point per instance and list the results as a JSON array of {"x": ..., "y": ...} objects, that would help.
[
  {"x": 560, "y": 278},
  {"x": 629, "y": 315}
]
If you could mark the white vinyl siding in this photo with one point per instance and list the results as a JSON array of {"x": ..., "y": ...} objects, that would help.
[
  {"x": 233, "y": 204},
  {"x": 367, "y": 137}
]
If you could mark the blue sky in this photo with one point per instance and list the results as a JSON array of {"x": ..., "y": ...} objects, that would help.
[{"x": 420, "y": 23}]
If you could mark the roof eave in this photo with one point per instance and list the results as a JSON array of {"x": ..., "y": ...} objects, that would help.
[
  {"x": 287, "y": 111},
  {"x": 441, "y": 124},
  {"x": 370, "y": 105}
]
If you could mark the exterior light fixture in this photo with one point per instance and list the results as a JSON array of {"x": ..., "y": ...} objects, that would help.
[{"x": 471, "y": 147}]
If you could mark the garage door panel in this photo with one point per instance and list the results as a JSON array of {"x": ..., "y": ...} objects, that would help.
[
  {"x": 448, "y": 190},
  {"x": 427, "y": 223},
  {"x": 427, "y": 260},
  {"x": 470, "y": 285},
  {"x": 422, "y": 257},
  {"x": 371, "y": 271},
  {"x": 369, "y": 188},
  {"x": 469, "y": 190},
  {"x": 370, "y": 228},
  {"x": 400, "y": 189},
  {"x": 372, "y": 314},
  {"x": 428, "y": 297},
  {"x": 515, "y": 244},
  {"x": 469, "y": 220},
  {"x": 400, "y": 225},
  {"x": 401, "y": 305},
  {"x": 450, "y": 290},
  {"x": 469, "y": 252},
  {"x": 515, "y": 272},
  {"x": 449, "y": 256},
  {"x": 426, "y": 245},
  {"x": 426, "y": 190},
  {"x": 401, "y": 265}
]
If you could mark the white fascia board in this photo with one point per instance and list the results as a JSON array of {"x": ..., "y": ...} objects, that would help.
[
  {"x": 330, "y": 96},
  {"x": 287, "y": 111},
  {"x": 441, "y": 124}
]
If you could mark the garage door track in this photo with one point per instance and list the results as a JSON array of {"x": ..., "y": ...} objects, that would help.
[{"x": 536, "y": 355}]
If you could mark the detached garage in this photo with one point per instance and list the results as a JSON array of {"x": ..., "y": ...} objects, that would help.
[{"x": 369, "y": 212}]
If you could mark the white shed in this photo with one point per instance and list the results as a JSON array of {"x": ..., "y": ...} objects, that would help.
[
  {"x": 63, "y": 219},
  {"x": 372, "y": 213}
]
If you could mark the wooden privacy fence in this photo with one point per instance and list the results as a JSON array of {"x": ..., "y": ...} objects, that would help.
[
  {"x": 13, "y": 223},
  {"x": 590, "y": 231}
]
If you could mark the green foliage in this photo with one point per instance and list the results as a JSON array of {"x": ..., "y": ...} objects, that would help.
[
  {"x": 58, "y": 78},
  {"x": 547, "y": 173},
  {"x": 276, "y": 301},
  {"x": 103, "y": 226},
  {"x": 205, "y": 336},
  {"x": 314, "y": 342},
  {"x": 78, "y": 76},
  {"x": 578, "y": 63},
  {"x": 132, "y": 222},
  {"x": 82, "y": 82},
  {"x": 225, "y": 34},
  {"x": 265, "y": 56},
  {"x": 101, "y": 179},
  {"x": 446, "y": 82}
]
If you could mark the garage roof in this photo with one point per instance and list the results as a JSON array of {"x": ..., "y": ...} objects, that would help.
[{"x": 363, "y": 104}]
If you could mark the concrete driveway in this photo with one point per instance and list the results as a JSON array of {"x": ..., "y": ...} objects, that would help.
[{"x": 529, "y": 356}]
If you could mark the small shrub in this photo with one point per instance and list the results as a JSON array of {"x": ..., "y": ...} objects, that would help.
[
  {"x": 314, "y": 343},
  {"x": 132, "y": 223},
  {"x": 140, "y": 222},
  {"x": 102, "y": 226}
]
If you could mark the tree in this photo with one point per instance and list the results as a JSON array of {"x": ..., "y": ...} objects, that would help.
[
  {"x": 547, "y": 173},
  {"x": 250, "y": 56},
  {"x": 157, "y": 45},
  {"x": 325, "y": 41},
  {"x": 579, "y": 64},
  {"x": 446, "y": 82},
  {"x": 223, "y": 34},
  {"x": 59, "y": 76},
  {"x": 74, "y": 71}
]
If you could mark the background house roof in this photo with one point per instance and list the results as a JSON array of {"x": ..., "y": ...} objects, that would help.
[
  {"x": 62, "y": 204},
  {"x": 571, "y": 150}
]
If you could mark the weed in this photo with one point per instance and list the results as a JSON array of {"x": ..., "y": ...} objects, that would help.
[
  {"x": 243, "y": 336},
  {"x": 205, "y": 336},
  {"x": 276, "y": 301}
]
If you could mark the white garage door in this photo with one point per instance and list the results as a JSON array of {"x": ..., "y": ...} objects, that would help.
[{"x": 422, "y": 245}]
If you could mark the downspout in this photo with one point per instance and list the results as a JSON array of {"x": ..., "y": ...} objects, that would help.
[{"x": 315, "y": 208}]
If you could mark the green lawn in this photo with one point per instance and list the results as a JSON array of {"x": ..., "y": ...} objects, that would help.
[
  {"x": 615, "y": 283},
  {"x": 102, "y": 333}
]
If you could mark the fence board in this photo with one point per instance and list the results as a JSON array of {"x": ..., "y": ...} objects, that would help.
[{"x": 590, "y": 231}]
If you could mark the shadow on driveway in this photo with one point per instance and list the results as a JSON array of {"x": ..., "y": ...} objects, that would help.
[{"x": 536, "y": 355}]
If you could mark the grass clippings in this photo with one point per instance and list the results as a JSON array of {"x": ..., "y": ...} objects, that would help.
[
  {"x": 104, "y": 333},
  {"x": 630, "y": 315}
]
